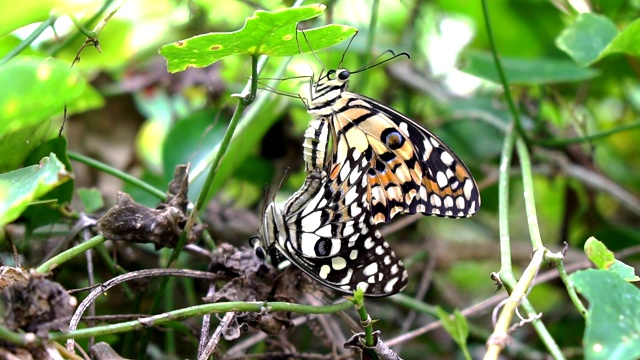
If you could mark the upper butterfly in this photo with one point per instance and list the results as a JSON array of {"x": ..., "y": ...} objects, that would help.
[{"x": 411, "y": 170}]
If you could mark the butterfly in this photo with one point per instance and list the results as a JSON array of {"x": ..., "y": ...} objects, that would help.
[
  {"x": 326, "y": 229},
  {"x": 411, "y": 169}
]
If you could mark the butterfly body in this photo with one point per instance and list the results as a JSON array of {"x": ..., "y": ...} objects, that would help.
[
  {"x": 411, "y": 170},
  {"x": 326, "y": 229}
]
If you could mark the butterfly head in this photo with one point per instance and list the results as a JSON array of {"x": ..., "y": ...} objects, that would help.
[{"x": 328, "y": 87}]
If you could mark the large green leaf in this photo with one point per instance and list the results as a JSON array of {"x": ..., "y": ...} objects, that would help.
[
  {"x": 16, "y": 15},
  {"x": 592, "y": 37},
  {"x": 527, "y": 71},
  {"x": 33, "y": 89},
  {"x": 21, "y": 187},
  {"x": 613, "y": 319},
  {"x": 265, "y": 33},
  {"x": 585, "y": 39}
]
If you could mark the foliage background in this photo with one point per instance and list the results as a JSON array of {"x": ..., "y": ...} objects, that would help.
[{"x": 134, "y": 116}]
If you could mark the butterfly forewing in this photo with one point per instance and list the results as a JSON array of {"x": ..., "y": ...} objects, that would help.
[{"x": 411, "y": 170}]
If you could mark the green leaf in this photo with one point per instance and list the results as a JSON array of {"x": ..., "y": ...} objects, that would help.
[
  {"x": 598, "y": 253},
  {"x": 626, "y": 42},
  {"x": 16, "y": 145},
  {"x": 604, "y": 259},
  {"x": 586, "y": 38},
  {"x": 270, "y": 33},
  {"x": 91, "y": 199},
  {"x": 33, "y": 89},
  {"x": 613, "y": 319},
  {"x": 457, "y": 327},
  {"x": 527, "y": 71},
  {"x": 18, "y": 15},
  {"x": 21, "y": 187}
]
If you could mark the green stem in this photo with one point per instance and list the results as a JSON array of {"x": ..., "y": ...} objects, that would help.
[
  {"x": 14, "y": 337},
  {"x": 194, "y": 311},
  {"x": 529, "y": 199},
  {"x": 596, "y": 136},
  {"x": 76, "y": 35},
  {"x": 499, "y": 68},
  {"x": 29, "y": 40},
  {"x": 365, "y": 319},
  {"x": 70, "y": 254},
  {"x": 117, "y": 173},
  {"x": 558, "y": 260},
  {"x": 503, "y": 202},
  {"x": 84, "y": 31}
]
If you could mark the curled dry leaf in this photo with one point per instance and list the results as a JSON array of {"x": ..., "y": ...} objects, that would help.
[
  {"x": 162, "y": 226},
  {"x": 31, "y": 303}
]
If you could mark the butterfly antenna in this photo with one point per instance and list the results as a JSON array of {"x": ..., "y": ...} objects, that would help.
[
  {"x": 375, "y": 61},
  {"x": 347, "y": 49}
]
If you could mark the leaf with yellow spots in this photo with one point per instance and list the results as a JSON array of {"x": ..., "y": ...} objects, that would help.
[
  {"x": 270, "y": 33},
  {"x": 34, "y": 89}
]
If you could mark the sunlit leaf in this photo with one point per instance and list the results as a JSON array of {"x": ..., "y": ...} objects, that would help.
[
  {"x": 265, "y": 33},
  {"x": 21, "y": 187},
  {"x": 604, "y": 259},
  {"x": 33, "y": 89}
]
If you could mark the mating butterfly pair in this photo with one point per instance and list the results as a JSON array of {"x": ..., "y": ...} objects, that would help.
[{"x": 381, "y": 164}]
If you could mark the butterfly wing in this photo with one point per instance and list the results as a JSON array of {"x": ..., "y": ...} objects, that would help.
[
  {"x": 333, "y": 239},
  {"x": 411, "y": 170}
]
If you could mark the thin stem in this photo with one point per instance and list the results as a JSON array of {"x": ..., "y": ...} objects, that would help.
[
  {"x": 497, "y": 341},
  {"x": 529, "y": 199},
  {"x": 117, "y": 173},
  {"x": 558, "y": 260},
  {"x": 194, "y": 311},
  {"x": 76, "y": 35},
  {"x": 596, "y": 136},
  {"x": 365, "y": 319},
  {"x": 29, "y": 40},
  {"x": 503, "y": 201},
  {"x": 499, "y": 68},
  {"x": 70, "y": 254}
]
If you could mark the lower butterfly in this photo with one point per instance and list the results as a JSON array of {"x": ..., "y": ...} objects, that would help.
[
  {"x": 326, "y": 229},
  {"x": 411, "y": 170}
]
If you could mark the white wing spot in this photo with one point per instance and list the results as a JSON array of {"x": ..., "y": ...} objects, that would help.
[
  {"x": 353, "y": 254},
  {"x": 448, "y": 201},
  {"x": 435, "y": 200},
  {"x": 394, "y": 269},
  {"x": 370, "y": 269},
  {"x": 344, "y": 172},
  {"x": 446, "y": 158},
  {"x": 387, "y": 260},
  {"x": 468, "y": 187},
  {"x": 428, "y": 148},
  {"x": 363, "y": 286},
  {"x": 460, "y": 202},
  {"x": 448, "y": 213},
  {"x": 308, "y": 244},
  {"x": 434, "y": 142},
  {"x": 325, "y": 231},
  {"x": 355, "y": 209},
  {"x": 351, "y": 195},
  {"x": 324, "y": 271},
  {"x": 368, "y": 244},
  {"x": 390, "y": 284},
  {"x": 338, "y": 263},
  {"x": 346, "y": 278},
  {"x": 371, "y": 280},
  {"x": 442, "y": 180},
  {"x": 379, "y": 250},
  {"x": 403, "y": 126},
  {"x": 348, "y": 229}
]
